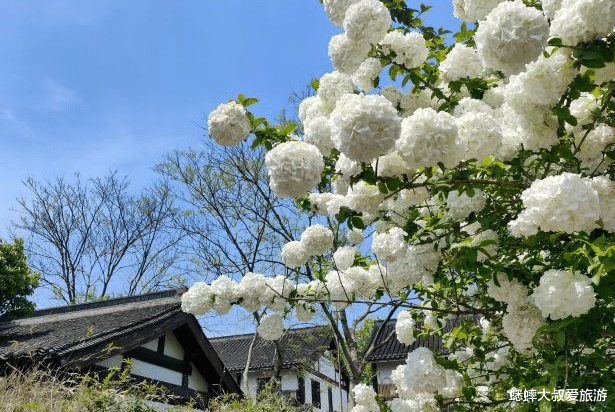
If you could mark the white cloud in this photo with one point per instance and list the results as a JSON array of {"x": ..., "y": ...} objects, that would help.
[
  {"x": 60, "y": 97},
  {"x": 11, "y": 124}
]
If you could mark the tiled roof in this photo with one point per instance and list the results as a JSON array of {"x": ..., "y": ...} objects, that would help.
[
  {"x": 388, "y": 348},
  {"x": 79, "y": 336},
  {"x": 298, "y": 346},
  {"x": 59, "y": 332}
]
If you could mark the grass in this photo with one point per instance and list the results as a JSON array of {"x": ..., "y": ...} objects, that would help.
[{"x": 46, "y": 391}]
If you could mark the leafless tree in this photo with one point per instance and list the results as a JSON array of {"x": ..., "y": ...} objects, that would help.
[{"x": 94, "y": 238}]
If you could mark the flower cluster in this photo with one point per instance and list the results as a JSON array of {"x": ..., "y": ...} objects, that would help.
[
  {"x": 562, "y": 293},
  {"x": 404, "y": 328},
  {"x": 566, "y": 202},
  {"x": 294, "y": 168},
  {"x": 422, "y": 375},
  {"x": 364, "y": 127},
  {"x": 271, "y": 327},
  {"x": 408, "y": 49},
  {"x": 511, "y": 36},
  {"x": 228, "y": 124},
  {"x": 479, "y": 182}
]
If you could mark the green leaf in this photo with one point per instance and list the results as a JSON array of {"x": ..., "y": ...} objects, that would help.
[
  {"x": 357, "y": 222},
  {"x": 555, "y": 41},
  {"x": 382, "y": 187},
  {"x": 315, "y": 84},
  {"x": 250, "y": 100}
]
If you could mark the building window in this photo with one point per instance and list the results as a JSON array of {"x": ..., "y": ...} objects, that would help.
[
  {"x": 315, "y": 393},
  {"x": 301, "y": 391},
  {"x": 330, "y": 393}
]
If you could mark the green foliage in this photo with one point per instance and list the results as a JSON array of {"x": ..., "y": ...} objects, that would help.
[
  {"x": 269, "y": 400},
  {"x": 17, "y": 281},
  {"x": 47, "y": 391}
]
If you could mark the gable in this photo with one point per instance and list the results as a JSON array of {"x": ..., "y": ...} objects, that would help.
[{"x": 164, "y": 342}]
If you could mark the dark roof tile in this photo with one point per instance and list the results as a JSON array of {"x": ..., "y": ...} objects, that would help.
[{"x": 298, "y": 346}]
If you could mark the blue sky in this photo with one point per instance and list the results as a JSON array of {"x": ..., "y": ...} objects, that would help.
[{"x": 91, "y": 86}]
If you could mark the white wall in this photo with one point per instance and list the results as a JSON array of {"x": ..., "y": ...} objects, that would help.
[
  {"x": 172, "y": 348},
  {"x": 289, "y": 382},
  {"x": 384, "y": 370}
]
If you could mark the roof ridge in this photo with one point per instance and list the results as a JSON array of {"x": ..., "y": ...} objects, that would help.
[
  {"x": 109, "y": 302},
  {"x": 250, "y": 334}
]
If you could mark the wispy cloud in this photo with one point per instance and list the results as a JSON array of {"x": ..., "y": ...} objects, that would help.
[
  {"x": 11, "y": 124},
  {"x": 59, "y": 97}
]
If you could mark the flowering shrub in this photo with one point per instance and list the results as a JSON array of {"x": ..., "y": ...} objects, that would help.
[{"x": 478, "y": 190}]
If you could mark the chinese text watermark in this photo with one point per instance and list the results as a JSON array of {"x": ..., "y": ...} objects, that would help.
[{"x": 556, "y": 395}]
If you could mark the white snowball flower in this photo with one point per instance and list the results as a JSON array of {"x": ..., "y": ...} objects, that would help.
[
  {"x": 360, "y": 281},
  {"x": 303, "y": 311},
  {"x": 271, "y": 327},
  {"x": 347, "y": 54},
  {"x": 421, "y": 374},
  {"x": 511, "y": 36},
  {"x": 583, "y": 20},
  {"x": 390, "y": 165},
  {"x": 389, "y": 246},
  {"x": 534, "y": 130},
  {"x": 591, "y": 153},
  {"x": 542, "y": 83},
  {"x": 326, "y": 204},
  {"x": 364, "y": 198},
  {"x": 294, "y": 254},
  {"x": 550, "y": 7},
  {"x": 226, "y": 292},
  {"x": 366, "y": 396},
  {"x": 344, "y": 257},
  {"x": 317, "y": 131},
  {"x": 473, "y": 10},
  {"x": 416, "y": 265},
  {"x": 606, "y": 193},
  {"x": 250, "y": 290},
  {"x": 355, "y": 236},
  {"x": 409, "y": 49},
  {"x": 404, "y": 328},
  {"x": 480, "y": 134},
  {"x": 198, "y": 299},
  {"x": 562, "y": 293},
  {"x": 461, "y": 205},
  {"x": 312, "y": 107},
  {"x": 582, "y": 108},
  {"x": 511, "y": 292},
  {"x": 367, "y": 21},
  {"x": 520, "y": 325},
  {"x": 228, "y": 124},
  {"x": 428, "y": 137},
  {"x": 317, "y": 239},
  {"x": 366, "y": 73},
  {"x": 364, "y": 127},
  {"x": 461, "y": 62},
  {"x": 336, "y": 10},
  {"x": 340, "y": 288},
  {"x": 331, "y": 87},
  {"x": 565, "y": 202},
  {"x": 397, "y": 207},
  {"x": 276, "y": 293},
  {"x": 345, "y": 168},
  {"x": 294, "y": 168}
]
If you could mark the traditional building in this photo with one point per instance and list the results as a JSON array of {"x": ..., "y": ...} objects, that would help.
[
  {"x": 166, "y": 345},
  {"x": 309, "y": 371},
  {"x": 389, "y": 353}
]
